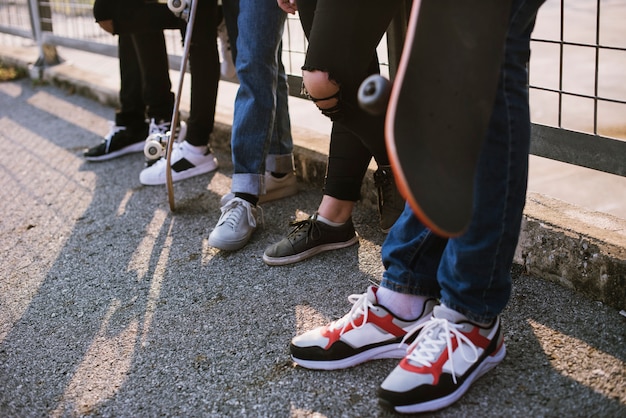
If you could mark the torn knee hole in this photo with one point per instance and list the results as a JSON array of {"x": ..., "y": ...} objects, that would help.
[{"x": 333, "y": 112}]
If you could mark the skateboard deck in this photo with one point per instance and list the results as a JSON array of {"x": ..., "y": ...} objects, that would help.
[
  {"x": 187, "y": 10},
  {"x": 441, "y": 103}
]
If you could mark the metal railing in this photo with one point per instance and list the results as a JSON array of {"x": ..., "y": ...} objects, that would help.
[
  {"x": 577, "y": 70},
  {"x": 578, "y": 83}
]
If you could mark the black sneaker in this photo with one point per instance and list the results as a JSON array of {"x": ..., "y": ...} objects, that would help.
[
  {"x": 307, "y": 238},
  {"x": 390, "y": 201},
  {"x": 119, "y": 141}
]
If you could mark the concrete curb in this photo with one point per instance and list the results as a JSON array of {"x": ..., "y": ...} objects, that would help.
[{"x": 580, "y": 249}]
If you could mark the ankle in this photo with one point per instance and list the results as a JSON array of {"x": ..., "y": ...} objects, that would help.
[
  {"x": 328, "y": 221},
  {"x": 250, "y": 198},
  {"x": 403, "y": 305},
  {"x": 196, "y": 149}
]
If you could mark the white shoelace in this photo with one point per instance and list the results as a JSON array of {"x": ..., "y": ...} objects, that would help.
[
  {"x": 233, "y": 211},
  {"x": 360, "y": 307},
  {"x": 158, "y": 128},
  {"x": 434, "y": 335}
]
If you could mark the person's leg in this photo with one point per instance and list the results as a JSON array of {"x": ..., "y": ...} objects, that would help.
[
  {"x": 331, "y": 228},
  {"x": 157, "y": 86},
  {"x": 334, "y": 68},
  {"x": 257, "y": 38},
  {"x": 204, "y": 67},
  {"x": 129, "y": 129},
  {"x": 132, "y": 106},
  {"x": 157, "y": 92},
  {"x": 474, "y": 271},
  {"x": 280, "y": 178},
  {"x": 193, "y": 157},
  {"x": 343, "y": 37},
  {"x": 256, "y": 60},
  {"x": 475, "y": 268}
]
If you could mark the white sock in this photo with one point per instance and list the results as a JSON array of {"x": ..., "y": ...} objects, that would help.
[
  {"x": 196, "y": 149},
  {"x": 328, "y": 222},
  {"x": 403, "y": 305}
]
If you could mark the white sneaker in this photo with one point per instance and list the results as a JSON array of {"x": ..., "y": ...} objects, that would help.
[
  {"x": 185, "y": 164},
  {"x": 235, "y": 226},
  {"x": 275, "y": 188}
]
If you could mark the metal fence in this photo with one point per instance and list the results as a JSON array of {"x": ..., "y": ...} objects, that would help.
[{"x": 577, "y": 70}]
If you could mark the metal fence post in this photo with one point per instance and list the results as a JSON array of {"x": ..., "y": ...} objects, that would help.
[{"x": 41, "y": 20}]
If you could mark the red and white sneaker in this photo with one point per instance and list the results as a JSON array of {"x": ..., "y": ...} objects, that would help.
[
  {"x": 367, "y": 332},
  {"x": 448, "y": 355}
]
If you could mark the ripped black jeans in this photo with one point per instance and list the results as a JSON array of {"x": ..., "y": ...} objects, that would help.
[{"x": 343, "y": 36}]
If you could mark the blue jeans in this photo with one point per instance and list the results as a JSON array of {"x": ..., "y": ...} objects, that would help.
[
  {"x": 471, "y": 273},
  {"x": 261, "y": 134}
]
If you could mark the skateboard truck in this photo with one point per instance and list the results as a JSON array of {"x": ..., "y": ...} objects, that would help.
[
  {"x": 179, "y": 7},
  {"x": 155, "y": 147}
]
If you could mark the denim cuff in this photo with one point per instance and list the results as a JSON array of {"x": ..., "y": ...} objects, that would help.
[
  {"x": 253, "y": 184},
  {"x": 280, "y": 163}
]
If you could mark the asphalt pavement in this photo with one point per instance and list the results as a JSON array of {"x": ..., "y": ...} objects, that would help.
[{"x": 111, "y": 305}]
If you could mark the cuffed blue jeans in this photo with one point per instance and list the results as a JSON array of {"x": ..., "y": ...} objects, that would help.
[
  {"x": 471, "y": 273},
  {"x": 261, "y": 134}
]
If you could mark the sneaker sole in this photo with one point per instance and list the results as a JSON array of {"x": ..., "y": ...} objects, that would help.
[
  {"x": 488, "y": 364},
  {"x": 391, "y": 351},
  {"x": 136, "y": 147},
  {"x": 229, "y": 245},
  {"x": 183, "y": 175},
  {"x": 290, "y": 259}
]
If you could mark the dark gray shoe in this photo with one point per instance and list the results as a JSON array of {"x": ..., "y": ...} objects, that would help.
[
  {"x": 307, "y": 238},
  {"x": 390, "y": 201}
]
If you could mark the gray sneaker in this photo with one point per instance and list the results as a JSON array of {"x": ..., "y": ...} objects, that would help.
[
  {"x": 235, "y": 226},
  {"x": 390, "y": 201},
  {"x": 307, "y": 238}
]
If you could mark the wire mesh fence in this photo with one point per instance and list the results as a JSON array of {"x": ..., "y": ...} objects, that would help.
[{"x": 577, "y": 76}]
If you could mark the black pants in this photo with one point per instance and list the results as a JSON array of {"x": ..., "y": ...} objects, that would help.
[
  {"x": 143, "y": 93},
  {"x": 343, "y": 36},
  {"x": 145, "y": 88}
]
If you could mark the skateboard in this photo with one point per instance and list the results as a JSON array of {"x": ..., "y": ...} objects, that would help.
[
  {"x": 155, "y": 147},
  {"x": 440, "y": 104}
]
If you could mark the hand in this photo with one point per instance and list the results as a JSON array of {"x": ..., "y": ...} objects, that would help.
[
  {"x": 288, "y": 6},
  {"x": 107, "y": 25}
]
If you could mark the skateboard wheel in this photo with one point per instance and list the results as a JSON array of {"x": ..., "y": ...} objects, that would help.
[
  {"x": 176, "y": 6},
  {"x": 374, "y": 94},
  {"x": 154, "y": 149}
]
